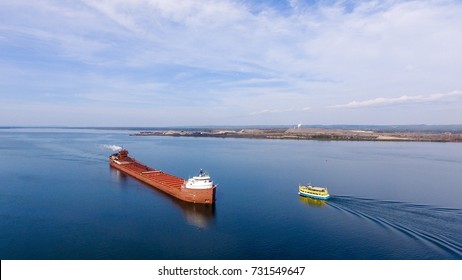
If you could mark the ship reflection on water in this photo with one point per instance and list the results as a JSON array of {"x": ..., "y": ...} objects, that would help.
[
  {"x": 199, "y": 215},
  {"x": 313, "y": 202},
  {"x": 119, "y": 176}
]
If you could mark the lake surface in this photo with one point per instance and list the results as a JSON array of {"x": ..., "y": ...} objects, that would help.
[{"x": 59, "y": 199}]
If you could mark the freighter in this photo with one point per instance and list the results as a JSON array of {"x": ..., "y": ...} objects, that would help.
[{"x": 198, "y": 189}]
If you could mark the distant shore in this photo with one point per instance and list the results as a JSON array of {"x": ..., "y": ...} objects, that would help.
[{"x": 312, "y": 134}]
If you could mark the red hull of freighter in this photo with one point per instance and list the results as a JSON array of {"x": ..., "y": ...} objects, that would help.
[{"x": 167, "y": 183}]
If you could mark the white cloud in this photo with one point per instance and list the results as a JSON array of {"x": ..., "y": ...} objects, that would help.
[
  {"x": 270, "y": 111},
  {"x": 405, "y": 99},
  {"x": 240, "y": 56},
  {"x": 275, "y": 111}
]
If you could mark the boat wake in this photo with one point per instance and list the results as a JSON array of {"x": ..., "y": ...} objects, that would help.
[
  {"x": 94, "y": 153},
  {"x": 440, "y": 227}
]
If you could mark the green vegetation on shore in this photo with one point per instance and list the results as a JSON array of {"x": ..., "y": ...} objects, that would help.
[{"x": 312, "y": 134}]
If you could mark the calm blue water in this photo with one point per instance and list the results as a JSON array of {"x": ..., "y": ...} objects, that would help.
[{"x": 59, "y": 199}]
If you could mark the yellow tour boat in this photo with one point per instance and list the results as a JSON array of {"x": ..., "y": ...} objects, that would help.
[{"x": 313, "y": 192}]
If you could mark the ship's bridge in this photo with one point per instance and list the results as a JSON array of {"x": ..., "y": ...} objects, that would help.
[{"x": 201, "y": 181}]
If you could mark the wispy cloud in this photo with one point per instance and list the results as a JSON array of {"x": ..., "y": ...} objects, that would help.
[
  {"x": 405, "y": 99},
  {"x": 240, "y": 57},
  {"x": 276, "y": 111},
  {"x": 270, "y": 111}
]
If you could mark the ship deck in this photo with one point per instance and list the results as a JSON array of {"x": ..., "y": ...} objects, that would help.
[{"x": 154, "y": 175}]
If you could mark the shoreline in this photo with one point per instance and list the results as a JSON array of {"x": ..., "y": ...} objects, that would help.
[{"x": 311, "y": 134}]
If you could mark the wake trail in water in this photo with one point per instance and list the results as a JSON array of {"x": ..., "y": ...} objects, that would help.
[
  {"x": 441, "y": 227},
  {"x": 82, "y": 153}
]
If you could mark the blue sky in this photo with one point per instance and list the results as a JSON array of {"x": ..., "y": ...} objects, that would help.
[{"x": 185, "y": 62}]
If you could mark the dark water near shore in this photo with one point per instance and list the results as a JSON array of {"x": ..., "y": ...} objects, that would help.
[{"x": 59, "y": 199}]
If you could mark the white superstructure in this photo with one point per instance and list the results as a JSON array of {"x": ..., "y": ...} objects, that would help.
[{"x": 201, "y": 181}]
